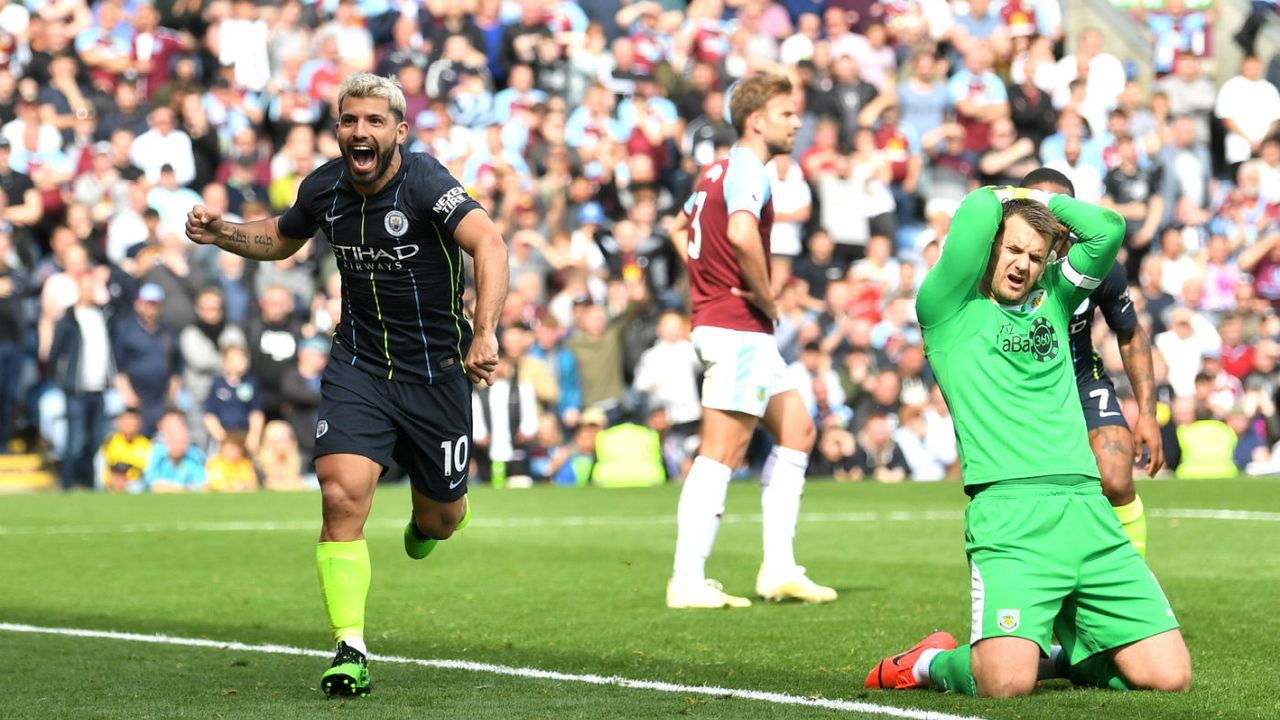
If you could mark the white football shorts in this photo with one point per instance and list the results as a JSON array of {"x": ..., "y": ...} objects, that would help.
[{"x": 743, "y": 370}]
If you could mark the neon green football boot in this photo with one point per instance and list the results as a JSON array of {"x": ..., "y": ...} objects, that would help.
[
  {"x": 349, "y": 674},
  {"x": 417, "y": 545}
]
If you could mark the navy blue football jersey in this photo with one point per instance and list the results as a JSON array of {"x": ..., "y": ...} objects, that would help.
[
  {"x": 1112, "y": 297},
  {"x": 402, "y": 276}
]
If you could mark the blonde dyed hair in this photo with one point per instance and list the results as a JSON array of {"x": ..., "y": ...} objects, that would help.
[{"x": 368, "y": 85}]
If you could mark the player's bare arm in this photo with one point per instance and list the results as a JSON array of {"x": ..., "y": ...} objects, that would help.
[
  {"x": 479, "y": 237},
  {"x": 678, "y": 229},
  {"x": 744, "y": 234},
  {"x": 258, "y": 240},
  {"x": 1135, "y": 353}
]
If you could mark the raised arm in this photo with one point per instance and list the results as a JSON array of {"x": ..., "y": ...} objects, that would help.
[
  {"x": 954, "y": 280},
  {"x": 258, "y": 240},
  {"x": 1250, "y": 256},
  {"x": 1098, "y": 232},
  {"x": 479, "y": 237}
]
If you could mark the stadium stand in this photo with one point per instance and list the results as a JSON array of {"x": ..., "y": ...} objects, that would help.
[{"x": 580, "y": 127}]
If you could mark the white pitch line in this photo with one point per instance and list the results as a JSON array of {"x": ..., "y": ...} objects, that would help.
[
  {"x": 582, "y": 521},
  {"x": 1194, "y": 514},
  {"x": 520, "y": 672}
]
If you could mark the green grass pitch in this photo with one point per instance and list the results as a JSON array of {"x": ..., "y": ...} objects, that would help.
[{"x": 572, "y": 581}]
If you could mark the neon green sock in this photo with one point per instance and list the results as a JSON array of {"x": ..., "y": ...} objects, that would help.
[
  {"x": 1133, "y": 520},
  {"x": 344, "y": 581},
  {"x": 466, "y": 517},
  {"x": 417, "y": 545},
  {"x": 1098, "y": 671},
  {"x": 951, "y": 671}
]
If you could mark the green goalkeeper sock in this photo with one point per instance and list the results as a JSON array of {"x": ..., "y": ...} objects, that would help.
[
  {"x": 344, "y": 580},
  {"x": 1133, "y": 520},
  {"x": 1098, "y": 671},
  {"x": 951, "y": 671}
]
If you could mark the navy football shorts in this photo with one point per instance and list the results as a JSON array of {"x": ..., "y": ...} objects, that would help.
[
  {"x": 426, "y": 429},
  {"x": 1101, "y": 406}
]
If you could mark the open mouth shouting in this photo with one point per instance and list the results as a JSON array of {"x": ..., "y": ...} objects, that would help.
[
  {"x": 1016, "y": 281},
  {"x": 363, "y": 156}
]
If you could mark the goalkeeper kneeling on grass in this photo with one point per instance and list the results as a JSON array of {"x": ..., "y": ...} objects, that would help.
[{"x": 1046, "y": 552}]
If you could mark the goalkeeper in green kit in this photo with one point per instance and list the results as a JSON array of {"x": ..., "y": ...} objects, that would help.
[{"x": 1046, "y": 553}]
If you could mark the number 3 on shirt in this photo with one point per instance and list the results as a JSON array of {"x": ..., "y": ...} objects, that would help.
[
  {"x": 695, "y": 221},
  {"x": 695, "y": 217}
]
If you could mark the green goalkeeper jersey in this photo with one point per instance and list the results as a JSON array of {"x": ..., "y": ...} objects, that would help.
[{"x": 1006, "y": 372}]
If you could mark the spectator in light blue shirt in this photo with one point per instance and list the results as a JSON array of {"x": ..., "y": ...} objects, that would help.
[
  {"x": 175, "y": 464},
  {"x": 484, "y": 160},
  {"x": 648, "y": 90},
  {"x": 518, "y": 95},
  {"x": 549, "y": 348},
  {"x": 593, "y": 120}
]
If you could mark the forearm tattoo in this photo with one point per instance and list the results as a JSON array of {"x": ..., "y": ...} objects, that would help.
[
  {"x": 240, "y": 238},
  {"x": 1136, "y": 357}
]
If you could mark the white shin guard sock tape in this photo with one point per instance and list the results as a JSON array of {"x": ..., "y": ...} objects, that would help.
[
  {"x": 698, "y": 517},
  {"x": 781, "y": 487}
]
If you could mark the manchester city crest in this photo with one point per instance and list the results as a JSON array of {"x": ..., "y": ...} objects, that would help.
[{"x": 395, "y": 223}]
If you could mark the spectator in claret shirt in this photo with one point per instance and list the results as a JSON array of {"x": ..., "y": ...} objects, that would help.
[
  {"x": 979, "y": 96},
  {"x": 154, "y": 49},
  {"x": 1262, "y": 260},
  {"x": 1245, "y": 212},
  {"x": 1237, "y": 355}
]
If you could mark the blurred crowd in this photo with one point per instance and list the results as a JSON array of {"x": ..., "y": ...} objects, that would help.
[{"x": 141, "y": 362}]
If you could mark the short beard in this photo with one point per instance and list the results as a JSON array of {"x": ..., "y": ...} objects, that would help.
[
  {"x": 1010, "y": 300},
  {"x": 987, "y": 286},
  {"x": 781, "y": 147},
  {"x": 384, "y": 162}
]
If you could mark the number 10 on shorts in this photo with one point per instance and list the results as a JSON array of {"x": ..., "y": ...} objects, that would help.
[{"x": 455, "y": 455}]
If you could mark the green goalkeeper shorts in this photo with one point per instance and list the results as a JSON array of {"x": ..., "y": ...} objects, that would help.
[{"x": 1049, "y": 557}]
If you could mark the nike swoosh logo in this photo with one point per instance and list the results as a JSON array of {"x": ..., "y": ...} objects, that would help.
[
  {"x": 330, "y": 218},
  {"x": 455, "y": 484}
]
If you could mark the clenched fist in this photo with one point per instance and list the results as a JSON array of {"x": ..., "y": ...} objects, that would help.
[{"x": 204, "y": 226}]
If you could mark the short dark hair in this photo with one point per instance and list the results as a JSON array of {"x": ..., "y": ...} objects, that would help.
[
  {"x": 1039, "y": 218},
  {"x": 1049, "y": 175},
  {"x": 752, "y": 94}
]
